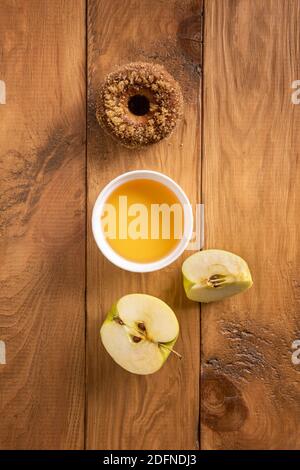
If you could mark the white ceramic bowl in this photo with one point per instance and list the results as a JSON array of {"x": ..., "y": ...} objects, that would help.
[{"x": 107, "y": 250}]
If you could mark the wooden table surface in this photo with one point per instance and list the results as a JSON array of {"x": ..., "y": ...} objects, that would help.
[{"x": 236, "y": 151}]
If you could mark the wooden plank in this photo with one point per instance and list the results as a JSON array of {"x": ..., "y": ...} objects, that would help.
[
  {"x": 251, "y": 393},
  {"x": 42, "y": 224},
  {"x": 125, "y": 411}
]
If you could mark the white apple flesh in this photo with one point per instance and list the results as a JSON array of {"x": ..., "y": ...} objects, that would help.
[
  {"x": 139, "y": 333},
  {"x": 212, "y": 275}
]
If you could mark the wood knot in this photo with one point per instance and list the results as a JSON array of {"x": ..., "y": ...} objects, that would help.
[
  {"x": 222, "y": 405},
  {"x": 189, "y": 36}
]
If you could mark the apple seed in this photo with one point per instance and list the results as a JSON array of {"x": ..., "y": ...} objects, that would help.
[
  {"x": 141, "y": 326},
  {"x": 217, "y": 280},
  {"x": 136, "y": 339}
]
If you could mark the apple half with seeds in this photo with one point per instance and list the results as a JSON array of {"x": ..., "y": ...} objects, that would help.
[
  {"x": 211, "y": 275},
  {"x": 139, "y": 333}
]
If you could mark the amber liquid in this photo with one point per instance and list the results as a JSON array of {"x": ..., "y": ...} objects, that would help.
[{"x": 143, "y": 234}]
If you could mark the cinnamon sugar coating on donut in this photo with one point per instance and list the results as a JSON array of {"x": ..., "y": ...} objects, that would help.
[{"x": 164, "y": 104}]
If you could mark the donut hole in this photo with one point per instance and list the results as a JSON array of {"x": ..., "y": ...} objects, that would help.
[{"x": 139, "y": 105}]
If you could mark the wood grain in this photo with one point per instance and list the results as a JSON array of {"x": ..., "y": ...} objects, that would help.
[
  {"x": 250, "y": 388},
  {"x": 42, "y": 224},
  {"x": 126, "y": 411}
]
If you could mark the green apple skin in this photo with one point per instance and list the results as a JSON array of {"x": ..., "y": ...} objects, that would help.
[
  {"x": 130, "y": 359},
  {"x": 237, "y": 276}
]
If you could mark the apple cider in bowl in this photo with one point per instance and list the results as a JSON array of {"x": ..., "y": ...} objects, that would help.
[{"x": 142, "y": 221}]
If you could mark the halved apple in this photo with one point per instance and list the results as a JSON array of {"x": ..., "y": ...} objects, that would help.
[
  {"x": 211, "y": 275},
  {"x": 139, "y": 333}
]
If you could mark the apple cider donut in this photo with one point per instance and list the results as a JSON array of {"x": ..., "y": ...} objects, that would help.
[{"x": 139, "y": 104}]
